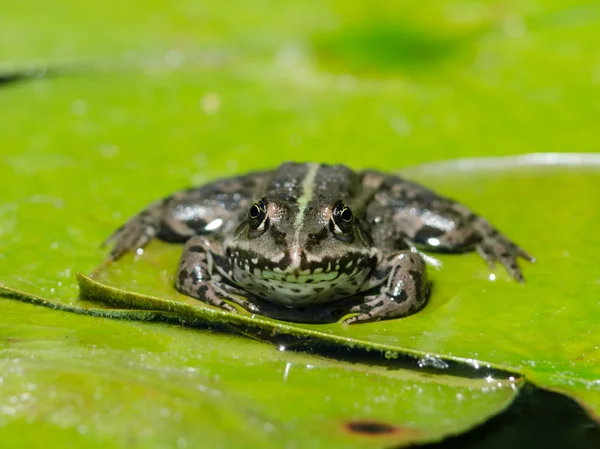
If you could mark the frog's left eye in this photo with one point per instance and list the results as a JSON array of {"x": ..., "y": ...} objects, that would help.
[
  {"x": 257, "y": 215},
  {"x": 342, "y": 218}
]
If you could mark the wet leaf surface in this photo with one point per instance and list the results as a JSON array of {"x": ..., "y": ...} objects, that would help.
[
  {"x": 106, "y": 383},
  {"x": 547, "y": 325}
]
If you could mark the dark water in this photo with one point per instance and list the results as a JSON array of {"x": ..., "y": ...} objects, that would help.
[{"x": 536, "y": 419}]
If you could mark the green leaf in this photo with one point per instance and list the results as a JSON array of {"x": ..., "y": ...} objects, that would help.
[
  {"x": 475, "y": 315},
  {"x": 81, "y": 380}
]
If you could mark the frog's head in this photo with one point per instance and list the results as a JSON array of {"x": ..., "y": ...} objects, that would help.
[{"x": 301, "y": 252}]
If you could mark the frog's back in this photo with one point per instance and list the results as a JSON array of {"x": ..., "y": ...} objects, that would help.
[{"x": 307, "y": 181}]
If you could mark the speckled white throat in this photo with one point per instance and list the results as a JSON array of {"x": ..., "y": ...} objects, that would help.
[{"x": 301, "y": 290}]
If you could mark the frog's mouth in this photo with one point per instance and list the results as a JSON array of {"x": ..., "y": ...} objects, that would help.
[{"x": 309, "y": 270}]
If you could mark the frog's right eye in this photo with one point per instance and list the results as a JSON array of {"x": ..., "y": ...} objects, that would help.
[
  {"x": 343, "y": 219},
  {"x": 257, "y": 215}
]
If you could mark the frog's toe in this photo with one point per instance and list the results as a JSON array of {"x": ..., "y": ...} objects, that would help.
[
  {"x": 133, "y": 236},
  {"x": 225, "y": 306},
  {"x": 525, "y": 255},
  {"x": 381, "y": 307},
  {"x": 213, "y": 295},
  {"x": 505, "y": 252},
  {"x": 486, "y": 253},
  {"x": 513, "y": 269},
  {"x": 360, "y": 318}
]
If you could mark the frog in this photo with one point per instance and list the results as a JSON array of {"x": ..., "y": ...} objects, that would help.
[{"x": 313, "y": 242}]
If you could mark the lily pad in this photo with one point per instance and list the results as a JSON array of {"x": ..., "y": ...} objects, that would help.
[
  {"x": 475, "y": 315},
  {"x": 96, "y": 382}
]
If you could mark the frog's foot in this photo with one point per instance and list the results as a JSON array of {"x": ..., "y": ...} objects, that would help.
[
  {"x": 495, "y": 247},
  {"x": 214, "y": 294},
  {"x": 137, "y": 232},
  {"x": 384, "y": 307},
  {"x": 198, "y": 277},
  {"x": 405, "y": 292}
]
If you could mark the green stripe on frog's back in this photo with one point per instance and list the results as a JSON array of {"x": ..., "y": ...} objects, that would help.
[
  {"x": 322, "y": 185},
  {"x": 308, "y": 189},
  {"x": 311, "y": 184}
]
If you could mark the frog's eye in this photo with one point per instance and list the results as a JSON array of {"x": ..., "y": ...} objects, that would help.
[
  {"x": 342, "y": 218},
  {"x": 257, "y": 215}
]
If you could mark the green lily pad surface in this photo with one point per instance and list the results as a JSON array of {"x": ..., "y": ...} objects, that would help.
[
  {"x": 119, "y": 104},
  {"x": 94, "y": 382},
  {"x": 547, "y": 325}
]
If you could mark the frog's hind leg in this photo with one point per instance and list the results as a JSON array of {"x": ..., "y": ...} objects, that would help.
[
  {"x": 199, "y": 276},
  {"x": 405, "y": 292},
  {"x": 211, "y": 209},
  {"x": 474, "y": 232},
  {"x": 435, "y": 223}
]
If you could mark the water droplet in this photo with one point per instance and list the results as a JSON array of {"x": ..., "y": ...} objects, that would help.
[
  {"x": 174, "y": 58},
  {"x": 108, "y": 151},
  {"x": 210, "y": 103},
  {"x": 391, "y": 355},
  {"x": 432, "y": 361},
  {"x": 286, "y": 372},
  {"x": 401, "y": 126},
  {"x": 79, "y": 107},
  {"x": 514, "y": 26}
]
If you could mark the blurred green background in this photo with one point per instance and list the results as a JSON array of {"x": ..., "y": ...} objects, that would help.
[{"x": 132, "y": 100}]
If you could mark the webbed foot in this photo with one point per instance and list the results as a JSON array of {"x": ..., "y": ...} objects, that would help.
[
  {"x": 137, "y": 232},
  {"x": 495, "y": 247}
]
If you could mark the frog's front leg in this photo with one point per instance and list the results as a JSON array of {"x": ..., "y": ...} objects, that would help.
[
  {"x": 404, "y": 289},
  {"x": 202, "y": 269}
]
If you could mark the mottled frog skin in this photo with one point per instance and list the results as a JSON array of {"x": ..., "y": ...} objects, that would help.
[{"x": 312, "y": 242}]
